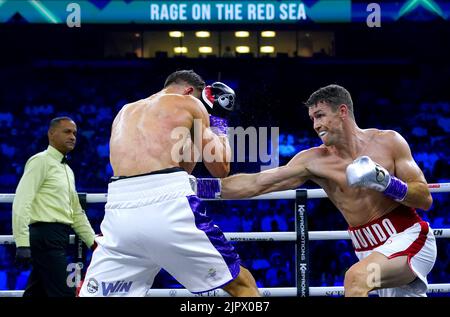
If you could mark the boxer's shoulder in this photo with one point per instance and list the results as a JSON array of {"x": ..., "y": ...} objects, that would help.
[
  {"x": 311, "y": 154},
  {"x": 385, "y": 137},
  {"x": 186, "y": 102},
  {"x": 379, "y": 133},
  {"x": 177, "y": 98},
  {"x": 317, "y": 151}
]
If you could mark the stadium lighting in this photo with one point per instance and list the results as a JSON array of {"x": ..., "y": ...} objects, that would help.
[
  {"x": 267, "y": 49},
  {"x": 202, "y": 34},
  {"x": 176, "y": 34},
  {"x": 205, "y": 49},
  {"x": 242, "y": 49},
  {"x": 180, "y": 49},
  {"x": 268, "y": 34},
  {"x": 241, "y": 34}
]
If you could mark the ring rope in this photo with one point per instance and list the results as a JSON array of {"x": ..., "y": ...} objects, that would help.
[
  {"x": 284, "y": 194},
  {"x": 257, "y": 236},
  {"x": 265, "y": 292},
  {"x": 270, "y": 236}
]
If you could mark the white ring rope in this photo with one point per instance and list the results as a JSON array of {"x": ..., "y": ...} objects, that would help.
[
  {"x": 261, "y": 236},
  {"x": 257, "y": 236},
  {"x": 265, "y": 292},
  {"x": 270, "y": 236},
  {"x": 285, "y": 194}
]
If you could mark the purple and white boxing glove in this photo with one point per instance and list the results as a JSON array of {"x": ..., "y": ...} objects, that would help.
[
  {"x": 206, "y": 188},
  {"x": 218, "y": 125},
  {"x": 219, "y": 101},
  {"x": 363, "y": 172}
]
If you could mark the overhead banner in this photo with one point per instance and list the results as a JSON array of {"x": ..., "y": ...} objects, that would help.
[
  {"x": 210, "y": 12},
  {"x": 139, "y": 11}
]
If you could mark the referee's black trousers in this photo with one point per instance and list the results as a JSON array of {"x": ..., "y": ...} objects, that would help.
[{"x": 49, "y": 275}]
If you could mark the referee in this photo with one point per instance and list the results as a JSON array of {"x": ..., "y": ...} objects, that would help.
[{"x": 45, "y": 209}]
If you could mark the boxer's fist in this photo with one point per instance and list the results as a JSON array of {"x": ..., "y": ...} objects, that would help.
[
  {"x": 363, "y": 172},
  {"x": 219, "y": 100}
]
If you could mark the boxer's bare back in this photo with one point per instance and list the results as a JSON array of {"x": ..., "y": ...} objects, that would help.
[
  {"x": 143, "y": 138},
  {"x": 141, "y": 133}
]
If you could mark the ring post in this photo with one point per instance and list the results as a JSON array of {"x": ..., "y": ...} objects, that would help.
[
  {"x": 80, "y": 255},
  {"x": 301, "y": 244}
]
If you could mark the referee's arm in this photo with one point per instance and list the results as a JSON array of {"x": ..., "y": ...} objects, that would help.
[
  {"x": 81, "y": 224},
  {"x": 33, "y": 176}
]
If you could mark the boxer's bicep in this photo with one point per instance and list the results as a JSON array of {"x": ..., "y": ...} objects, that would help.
[
  {"x": 406, "y": 167},
  {"x": 282, "y": 178},
  {"x": 290, "y": 176}
]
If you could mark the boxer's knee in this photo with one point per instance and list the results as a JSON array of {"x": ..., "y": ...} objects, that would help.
[
  {"x": 243, "y": 285},
  {"x": 355, "y": 282}
]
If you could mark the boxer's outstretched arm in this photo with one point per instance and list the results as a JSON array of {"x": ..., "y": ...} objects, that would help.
[
  {"x": 406, "y": 169},
  {"x": 290, "y": 176}
]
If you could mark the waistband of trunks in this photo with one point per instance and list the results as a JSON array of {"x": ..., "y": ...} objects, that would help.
[
  {"x": 375, "y": 233},
  {"x": 162, "y": 171},
  {"x": 150, "y": 188}
]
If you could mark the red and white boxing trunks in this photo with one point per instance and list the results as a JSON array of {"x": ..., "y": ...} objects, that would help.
[{"x": 401, "y": 232}]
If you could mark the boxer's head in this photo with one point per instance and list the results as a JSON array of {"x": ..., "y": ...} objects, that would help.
[
  {"x": 330, "y": 108},
  {"x": 62, "y": 134},
  {"x": 188, "y": 81}
]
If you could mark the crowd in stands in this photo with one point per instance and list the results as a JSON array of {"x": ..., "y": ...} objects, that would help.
[{"x": 93, "y": 95}]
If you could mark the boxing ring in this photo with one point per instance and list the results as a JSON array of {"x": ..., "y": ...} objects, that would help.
[{"x": 301, "y": 236}]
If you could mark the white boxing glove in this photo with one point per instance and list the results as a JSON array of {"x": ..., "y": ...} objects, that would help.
[{"x": 363, "y": 172}]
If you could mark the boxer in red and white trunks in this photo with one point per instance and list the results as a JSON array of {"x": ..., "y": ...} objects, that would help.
[
  {"x": 400, "y": 233},
  {"x": 153, "y": 219},
  {"x": 372, "y": 178}
]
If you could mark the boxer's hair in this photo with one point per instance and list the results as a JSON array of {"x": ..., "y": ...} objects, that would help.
[
  {"x": 185, "y": 76},
  {"x": 55, "y": 121},
  {"x": 334, "y": 95}
]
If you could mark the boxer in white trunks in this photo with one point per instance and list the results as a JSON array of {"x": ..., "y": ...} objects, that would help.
[
  {"x": 153, "y": 219},
  {"x": 372, "y": 178}
]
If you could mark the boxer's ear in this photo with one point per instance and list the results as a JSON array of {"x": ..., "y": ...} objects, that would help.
[
  {"x": 343, "y": 110},
  {"x": 188, "y": 91}
]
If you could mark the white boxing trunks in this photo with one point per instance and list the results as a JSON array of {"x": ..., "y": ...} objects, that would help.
[
  {"x": 156, "y": 221},
  {"x": 401, "y": 232}
]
